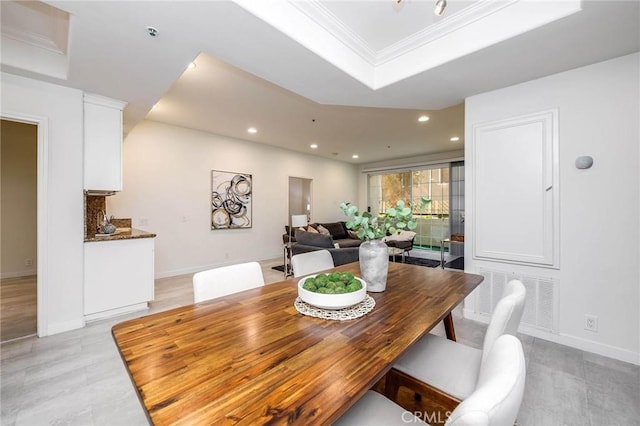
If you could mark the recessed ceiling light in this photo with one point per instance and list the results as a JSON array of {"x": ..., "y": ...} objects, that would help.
[
  {"x": 354, "y": 156},
  {"x": 313, "y": 146},
  {"x": 191, "y": 65},
  {"x": 423, "y": 118},
  {"x": 454, "y": 139},
  {"x": 153, "y": 32},
  {"x": 252, "y": 130},
  {"x": 154, "y": 106}
]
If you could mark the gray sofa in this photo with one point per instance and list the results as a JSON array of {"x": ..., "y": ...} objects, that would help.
[
  {"x": 338, "y": 231},
  {"x": 346, "y": 252},
  {"x": 348, "y": 243}
]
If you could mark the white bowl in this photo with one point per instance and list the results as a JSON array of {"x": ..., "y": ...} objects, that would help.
[{"x": 332, "y": 301}]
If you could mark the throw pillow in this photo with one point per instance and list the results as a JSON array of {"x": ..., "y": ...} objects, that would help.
[
  {"x": 323, "y": 230},
  {"x": 352, "y": 234},
  {"x": 311, "y": 239},
  {"x": 312, "y": 230},
  {"x": 336, "y": 229}
]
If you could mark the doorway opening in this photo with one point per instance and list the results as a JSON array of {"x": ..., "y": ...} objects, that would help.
[
  {"x": 300, "y": 197},
  {"x": 18, "y": 229}
]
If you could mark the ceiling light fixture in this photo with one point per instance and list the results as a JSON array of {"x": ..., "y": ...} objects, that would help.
[
  {"x": 355, "y": 156},
  {"x": 423, "y": 118},
  {"x": 440, "y": 6},
  {"x": 313, "y": 146},
  {"x": 252, "y": 130},
  {"x": 454, "y": 139},
  {"x": 191, "y": 65}
]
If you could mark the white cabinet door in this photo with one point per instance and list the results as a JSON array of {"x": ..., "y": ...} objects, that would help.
[
  {"x": 118, "y": 275},
  {"x": 102, "y": 143},
  {"x": 515, "y": 179}
]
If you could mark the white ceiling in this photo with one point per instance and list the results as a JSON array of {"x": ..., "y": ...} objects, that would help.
[{"x": 364, "y": 70}]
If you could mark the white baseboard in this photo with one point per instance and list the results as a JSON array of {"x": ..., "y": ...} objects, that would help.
[
  {"x": 19, "y": 274},
  {"x": 61, "y": 327},
  {"x": 115, "y": 312},
  {"x": 608, "y": 351}
]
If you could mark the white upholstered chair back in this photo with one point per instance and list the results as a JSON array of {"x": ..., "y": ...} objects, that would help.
[
  {"x": 226, "y": 280},
  {"x": 498, "y": 394},
  {"x": 310, "y": 262},
  {"x": 495, "y": 400},
  {"x": 506, "y": 315}
]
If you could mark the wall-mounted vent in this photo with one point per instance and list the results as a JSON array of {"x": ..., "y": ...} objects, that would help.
[{"x": 540, "y": 304}]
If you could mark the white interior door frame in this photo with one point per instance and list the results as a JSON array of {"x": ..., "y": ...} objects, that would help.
[{"x": 42, "y": 224}]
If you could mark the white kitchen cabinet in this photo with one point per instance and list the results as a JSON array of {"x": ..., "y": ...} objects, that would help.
[
  {"x": 118, "y": 276},
  {"x": 102, "y": 143}
]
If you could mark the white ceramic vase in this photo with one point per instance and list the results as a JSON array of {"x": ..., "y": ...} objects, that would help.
[{"x": 374, "y": 264}]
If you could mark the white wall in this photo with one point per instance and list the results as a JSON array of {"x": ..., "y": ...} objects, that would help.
[
  {"x": 599, "y": 110},
  {"x": 60, "y": 196},
  {"x": 167, "y": 181}
]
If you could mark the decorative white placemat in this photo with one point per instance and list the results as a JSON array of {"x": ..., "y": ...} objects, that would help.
[{"x": 351, "y": 312}]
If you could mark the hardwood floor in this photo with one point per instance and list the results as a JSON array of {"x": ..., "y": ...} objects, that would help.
[
  {"x": 18, "y": 307},
  {"x": 78, "y": 377}
]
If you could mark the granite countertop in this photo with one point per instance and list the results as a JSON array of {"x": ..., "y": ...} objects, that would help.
[{"x": 120, "y": 234}]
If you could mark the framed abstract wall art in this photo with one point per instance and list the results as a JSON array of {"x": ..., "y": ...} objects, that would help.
[{"x": 230, "y": 200}]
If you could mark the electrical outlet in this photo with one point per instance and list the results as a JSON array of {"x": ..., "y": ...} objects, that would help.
[
  {"x": 28, "y": 262},
  {"x": 591, "y": 322}
]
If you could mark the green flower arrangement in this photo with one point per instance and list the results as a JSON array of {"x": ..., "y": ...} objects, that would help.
[{"x": 395, "y": 219}]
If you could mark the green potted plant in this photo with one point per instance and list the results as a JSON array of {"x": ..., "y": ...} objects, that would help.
[{"x": 373, "y": 253}]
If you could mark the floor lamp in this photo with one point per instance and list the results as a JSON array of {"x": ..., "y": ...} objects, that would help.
[{"x": 297, "y": 220}]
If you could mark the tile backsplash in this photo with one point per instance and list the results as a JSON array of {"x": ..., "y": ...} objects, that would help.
[{"x": 94, "y": 205}]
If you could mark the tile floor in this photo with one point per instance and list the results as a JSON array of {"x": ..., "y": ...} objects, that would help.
[{"x": 77, "y": 378}]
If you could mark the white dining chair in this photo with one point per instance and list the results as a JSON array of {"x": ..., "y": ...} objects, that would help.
[
  {"x": 310, "y": 262},
  {"x": 226, "y": 280},
  {"x": 495, "y": 400},
  {"x": 435, "y": 364}
]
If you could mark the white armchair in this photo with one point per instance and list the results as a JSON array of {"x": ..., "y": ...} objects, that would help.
[
  {"x": 435, "y": 365},
  {"x": 310, "y": 262},
  {"x": 226, "y": 280},
  {"x": 495, "y": 400}
]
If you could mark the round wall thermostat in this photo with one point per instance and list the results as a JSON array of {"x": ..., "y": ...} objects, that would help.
[{"x": 584, "y": 162}]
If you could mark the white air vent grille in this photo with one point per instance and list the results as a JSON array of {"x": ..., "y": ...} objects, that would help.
[{"x": 539, "y": 310}]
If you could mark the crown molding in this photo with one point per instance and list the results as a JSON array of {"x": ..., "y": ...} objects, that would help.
[
  {"x": 322, "y": 16},
  {"x": 453, "y": 23},
  {"x": 33, "y": 39},
  {"x": 314, "y": 26},
  {"x": 318, "y": 13}
]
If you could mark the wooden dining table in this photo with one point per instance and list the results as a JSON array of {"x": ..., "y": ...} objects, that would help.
[{"x": 252, "y": 358}]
